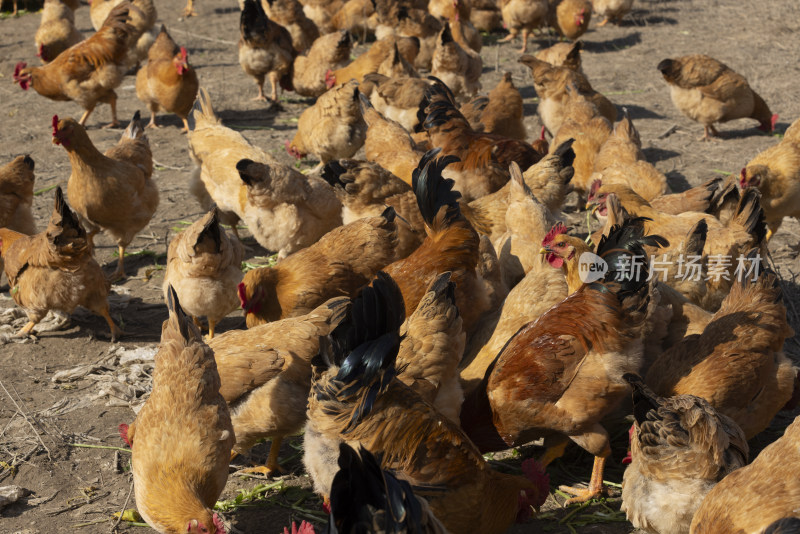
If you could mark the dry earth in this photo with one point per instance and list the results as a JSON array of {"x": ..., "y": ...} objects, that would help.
[{"x": 44, "y": 422}]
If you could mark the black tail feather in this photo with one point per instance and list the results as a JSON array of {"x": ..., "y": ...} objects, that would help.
[
  {"x": 332, "y": 173},
  {"x": 211, "y": 229},
  {"x": 174, "y": 307},
  {"x": 644, "y": 400},
  {"x": 431, "y": 189},
  {"x": 623, "y": 251}
]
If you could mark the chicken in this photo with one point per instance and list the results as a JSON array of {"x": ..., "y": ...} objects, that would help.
[
  {"x": 398, "y": 99},
  {"x": 485, "y": 15},
  {"x": 57, "y": 31},
  {"x": 283, "y": 209},
  {"x": 113, "y": 192},
  {"x": 355, "y": 16},
  {"x": 590, "y": 130},
  {"x": 525, "y": 15},
  {"x": 776, "y": 174},
  {"x": 484, "y": 157},
  {"x": 575, "y": 354},
  {"x": 290, "y": 15},
  {"x": 622, "y": 160},
  {"x": 547, "y": 179},
  {"x": 680, "y": 447},
  {"x": 551, "y": 84},
  {"x": 563, "y": 55},
  {"x": 708, "y": 91},
  {"x": 265, "y": 50},
  {"x": 724, "y": 245},
  {"x": 355, "y": 399},
  {"x": 55, "y": 270},
  {"x": 527, "y": 223},
  {"x": 452, "y": 244},
  {"x": 342, "y": 261},
  {"x": 705, "y": 197},
  {"x": 494, "y": 330},
  {"x": 265, "y": 373},
  {"x": 432, "y": 347},
  {"x": 333, "y": 128},
  {"x": 500, "y": 113},
  {"x": 329, "y": 52},
  {"x": 570, "y": 18},
  {"x": 143, "y": 16},
  {"x": 755, "y": 497},
  {"x": 737, "y": 363},
  {"x": 388, "y": 144},
  {"x": 373, "y": 59},
  {"x": 409, "y": 19},
  {"x": 204, "y": 269},
  {"x": 365, "y": 189},
  {"x": 167, "y": 82},
  {"x": 16, "y": 195},
  {"x": 458, "y": 67},
  {"x": 611, "y": 10},
  {"x": 321, "y": 13},
  {"x": 87, "y": 72},
  {"x": 365, "y": 496},
  {"x": 185, "y": 401},
  {"x": 189, "y": 10}
]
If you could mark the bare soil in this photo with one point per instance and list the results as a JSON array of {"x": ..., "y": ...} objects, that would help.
[{"x": 45, "y": 425}]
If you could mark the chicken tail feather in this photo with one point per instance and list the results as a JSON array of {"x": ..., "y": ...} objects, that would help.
[
  {"x": 176, "y": 312},
  {"x": 750, "y": 215},
  {"x": 135, "y": 130},
  {"x": 432, "y": 190},
  {"x": 644, "y": 399}
]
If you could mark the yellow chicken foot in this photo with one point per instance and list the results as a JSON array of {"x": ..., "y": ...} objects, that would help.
[
  {"x": 189, "y": 11},
  {"x": 119, "y": 274},
  {"x": 153, "y": 123},
  {"x": 524, "y": 41},
  {"x": 272, "y": 468},
  {"x": 211, "y": 325},
  {"x": 596, "y": 488},
  {"x": 26, "y": 330},
  {"x": 507, "y": 38},
  {"x": 768, "y": 236},
  {"x": 605, "y": 21},
  {"x": 116, "y": 332},
  {"x": 261, "y": 95}
]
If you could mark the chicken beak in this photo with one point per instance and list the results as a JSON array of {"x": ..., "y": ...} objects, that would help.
[{"x": 543, "y": 251}]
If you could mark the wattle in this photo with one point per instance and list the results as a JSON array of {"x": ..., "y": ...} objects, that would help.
[{"x": 554, "y": 260}]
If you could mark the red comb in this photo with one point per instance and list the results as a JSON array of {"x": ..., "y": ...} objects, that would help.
[
  {"x": 558, "y": 229},
  {"x": 305, "y": 528},
  {"x": 773, "y": 122},
  {"x": 541, "y": 136},
  {"x": 330, "y": 79},
  {"x": 219, "y": 524},
  {"x": 241, "y": 289},
  {"x": 55, "y": 125},
  {"x": 18, "y": 67},
  {"x": 596, "y": 185},
  {"x": 183, "y": 52},
  {"x": 123, "y": 433}
]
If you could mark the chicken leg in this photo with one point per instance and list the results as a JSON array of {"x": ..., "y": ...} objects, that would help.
[
  {"x": 25, "y": 331},
  {"x": 116, "y": 332},
  {"x": 152, "y": 123},
  {"x": 119, "y": 274},
  {"x": 525, "y": 34},
  {"x": 272, "y": 468},
  {"x": 605, "y": 21},
  {"x": 261, "y": 96},
  {"x": 189, "y": 11},
  {"x": 596, "y": 488},
  {"x": 273, "y": 81}
]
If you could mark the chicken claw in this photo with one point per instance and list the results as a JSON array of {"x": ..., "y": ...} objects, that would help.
[
  {"x": 605, "y": 21},
  {"x": 26, "y": 330},
  {"x": 596, "y": 488}
]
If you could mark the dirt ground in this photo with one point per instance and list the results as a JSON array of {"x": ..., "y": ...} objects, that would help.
[{"x": 58, "y": 434}]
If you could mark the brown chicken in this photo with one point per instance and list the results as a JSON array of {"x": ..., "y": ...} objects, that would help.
[
  {"x": 431, "y": 349},
  {"x": 570, "y": 18},
  {"x": 409, "y": 19},
  {"x": 776, "y": 174},
  {"x": 372, "y": 60},
  {"x": 499, "y": 113},
  {"x": 355, "y": 17},
  {"x": 737, "y": 364},
  {"x": 16, "y": 195},
  {"x": 57, "y": 31},
  {"x": 88, "y": 72},
  {"x": 113, "y": 192},
  {"x": 563, "y": 55},
  {"x": 365, "y": 496},
  {"x": 329, "y": 52},
  {"x": 143, "y": 16},
  {"x": 333, "y": 128},
  {"x": 265, "y": 373},
  {"x": 611, "y": 10},
  {"x": 55, "y": 270},
  {"x": 458, "y": 67},
  {"x": 185, "y": 401},
  {"x": 204, "y": 269},
  {"x": 485, "y": 15},
  {"x": 757, "y": 496},
  {"x": 708, "y": 91},
  {"x": 321, "y": 13},
  {"x": 551, "y": 85},
  {"x": 680, "y": 448},
  {"x": 525, "y": 15},
  {"x": 575, "y": 355},
  {"x": 388, "y": 144},
  {"x": 366, "y": 189},
  {"x": 290, "y": 15},
  {"x": 724, "y": 245},
  {"x": 342, "y": 261},
  {"x": 167, "y": 82},
  {"x": 484, "y": 157},
  {"x": 397, "y": 99},
  {"x": 265, "y": 50},
  {"x": 547, "y": 179},
  {"x": 590, "y": 130},
  {"x": 283, "y": 209},
  {"x": 355, "y": 398},
  {"x": 451, "y": 245}
]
